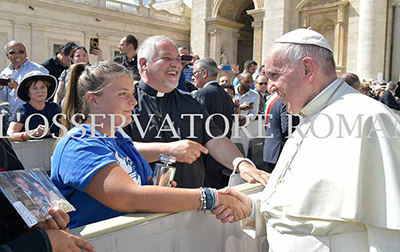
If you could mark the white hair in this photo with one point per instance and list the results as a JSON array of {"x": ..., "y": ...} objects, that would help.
[
  {"x": 391, "y": 86},
  {"x": 294, "y": 53},
  {"x": 209, "y": 65},
  {"x": 148, "y": 48}
]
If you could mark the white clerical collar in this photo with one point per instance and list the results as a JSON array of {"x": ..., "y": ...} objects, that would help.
[
  {"x": 321, "y": 100},
  {"x": 160, "y": 94}
]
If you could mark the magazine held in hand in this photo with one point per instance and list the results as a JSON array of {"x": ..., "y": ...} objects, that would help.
[{"x": 32, "y": 194}]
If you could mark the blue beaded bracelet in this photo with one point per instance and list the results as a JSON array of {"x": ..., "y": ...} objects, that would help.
[{"x": 209, "y": 198}]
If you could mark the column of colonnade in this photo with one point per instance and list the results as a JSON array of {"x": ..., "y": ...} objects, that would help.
[
  {"x": 371, "y": 38},
  {"x": 258, "y": 15},
  {"x": 395, "y": 71}
]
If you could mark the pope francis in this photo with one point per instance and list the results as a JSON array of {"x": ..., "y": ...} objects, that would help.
[{"x": 336, "y": 186}]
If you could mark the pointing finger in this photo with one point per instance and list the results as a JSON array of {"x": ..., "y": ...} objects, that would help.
[{"x": 202, "y": 148}]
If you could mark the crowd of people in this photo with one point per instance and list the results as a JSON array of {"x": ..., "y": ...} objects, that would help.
[
  {"x": 156, "y": 98},
  {"x": 69, "y": 81}
]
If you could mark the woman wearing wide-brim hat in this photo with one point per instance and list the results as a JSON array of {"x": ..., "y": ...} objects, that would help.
[{"x": 35, "y": 89}]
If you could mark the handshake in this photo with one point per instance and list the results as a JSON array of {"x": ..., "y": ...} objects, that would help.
[{"x": 233, "y": 206}]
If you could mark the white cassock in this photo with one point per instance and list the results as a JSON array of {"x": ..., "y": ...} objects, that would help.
[{"x": 338, "y": 188}]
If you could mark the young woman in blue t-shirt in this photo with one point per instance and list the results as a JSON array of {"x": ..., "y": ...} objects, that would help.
[{"x": 96, "y": 166}]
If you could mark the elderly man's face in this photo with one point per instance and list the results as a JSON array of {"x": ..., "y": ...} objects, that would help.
[
  {"x": 198, "y": 77},
  {"x": 163, "y": 71},
  {"x": 285, "y": 80},
  {"x": 16, "y": 53}
]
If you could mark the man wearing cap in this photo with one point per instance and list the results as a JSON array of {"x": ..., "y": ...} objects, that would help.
[
  {"x": 18, "y": 68},
  {"x": 336, "y": 184},
  {"x": 60, "y": 61}
]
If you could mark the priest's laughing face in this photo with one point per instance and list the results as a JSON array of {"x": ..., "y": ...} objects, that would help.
[{"x": 165, "y": 67}]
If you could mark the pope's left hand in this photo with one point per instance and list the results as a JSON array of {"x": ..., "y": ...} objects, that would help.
[{"x": 251, "y": 174}]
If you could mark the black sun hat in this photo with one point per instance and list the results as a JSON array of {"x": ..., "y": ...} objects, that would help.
[{"x": 22, "y": 91}]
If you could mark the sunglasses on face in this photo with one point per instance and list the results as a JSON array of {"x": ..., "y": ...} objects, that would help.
[
  {"x": 263, "y": 83},
  {"x": 12, "y": 53}
]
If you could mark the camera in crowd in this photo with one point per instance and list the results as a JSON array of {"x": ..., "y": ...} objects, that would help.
[
  {"x": 4, "y": 81},
  {"x": 186, "y": 58},
  {"x": 94, "y": 44}
]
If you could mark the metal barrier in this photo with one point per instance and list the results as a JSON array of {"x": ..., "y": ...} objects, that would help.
[
  {"x": 35, "y": 153},
  {"x": 186, "y": 231}
]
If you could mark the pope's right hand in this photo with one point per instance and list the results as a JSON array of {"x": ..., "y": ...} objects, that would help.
[{"x": 227, "y": 212}]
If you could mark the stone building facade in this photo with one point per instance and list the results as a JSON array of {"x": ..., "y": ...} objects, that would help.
[
  {"x": 364, "y": 34},
  {"x": 44, "y": 25}
]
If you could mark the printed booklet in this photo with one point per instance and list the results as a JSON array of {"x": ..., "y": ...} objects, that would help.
[{"x": 32, "y": 194}]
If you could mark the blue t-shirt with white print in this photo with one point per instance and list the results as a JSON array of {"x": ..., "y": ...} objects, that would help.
[{"x": 77, "y": 159}]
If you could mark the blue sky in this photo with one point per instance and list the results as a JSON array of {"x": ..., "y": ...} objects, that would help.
[{"x": 187, "y": 2}]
